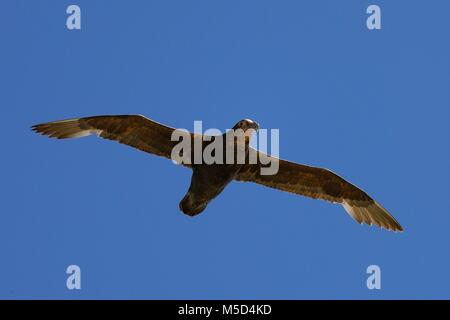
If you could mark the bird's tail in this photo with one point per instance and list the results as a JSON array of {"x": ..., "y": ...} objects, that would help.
[{"x": 190, "y": 207}]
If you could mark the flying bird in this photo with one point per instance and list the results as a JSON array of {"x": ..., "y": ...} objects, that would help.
[{"x": 209, "y": 180}]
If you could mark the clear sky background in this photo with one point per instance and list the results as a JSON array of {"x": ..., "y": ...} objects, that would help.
[{"x": 372, "y": 106}]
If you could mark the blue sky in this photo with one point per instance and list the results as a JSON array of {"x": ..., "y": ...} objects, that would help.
[{"x": 372, "y": 106}]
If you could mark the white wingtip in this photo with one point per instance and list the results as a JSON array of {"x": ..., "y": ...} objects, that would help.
[
  {"x": 64, "y": 129},
  {"x": 371, "y": 213}
]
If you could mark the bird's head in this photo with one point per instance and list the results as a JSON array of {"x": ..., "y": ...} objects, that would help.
[{"x": 246, "y": 124}]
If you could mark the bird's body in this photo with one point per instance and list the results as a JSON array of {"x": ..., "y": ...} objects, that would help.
[{"x": 209, "y": 180}]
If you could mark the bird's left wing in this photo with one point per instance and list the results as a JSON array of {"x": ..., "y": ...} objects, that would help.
[
  {"x": 134, "y": 130},
  {"x": 319, "y": 183}
]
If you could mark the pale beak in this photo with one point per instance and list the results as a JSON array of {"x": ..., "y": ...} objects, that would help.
[{"x": 256, "y": 126}]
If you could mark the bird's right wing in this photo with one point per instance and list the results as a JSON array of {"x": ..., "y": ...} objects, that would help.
[
  {"x": 319, "y": 183},
  {"x": 134, "y": 130}
]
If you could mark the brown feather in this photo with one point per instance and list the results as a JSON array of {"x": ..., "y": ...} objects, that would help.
[
  {"x": 134, "y": 130},
  {"x": 319, "y": 183}
]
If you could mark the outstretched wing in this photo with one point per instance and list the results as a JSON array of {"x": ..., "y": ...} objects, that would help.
[
  {"x": 323, "y": 184},
  {"x": 134, "y": 130}
]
